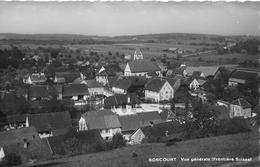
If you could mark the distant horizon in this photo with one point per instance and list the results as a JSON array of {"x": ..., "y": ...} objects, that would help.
[
  {"x": 113, "y": 19},
  {"x": 14, "y": 33}
]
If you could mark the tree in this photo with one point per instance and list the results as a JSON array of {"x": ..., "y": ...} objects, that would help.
[{"x": 203, "y": 123}]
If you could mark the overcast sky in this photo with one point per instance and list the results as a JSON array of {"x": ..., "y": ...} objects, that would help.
[{"x": 126, "y": 18}]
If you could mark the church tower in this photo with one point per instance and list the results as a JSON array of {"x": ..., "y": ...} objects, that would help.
[{"x": 138, "y": 55}]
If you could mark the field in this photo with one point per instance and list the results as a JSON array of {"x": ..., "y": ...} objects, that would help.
[{"x": 244, "y": 145}]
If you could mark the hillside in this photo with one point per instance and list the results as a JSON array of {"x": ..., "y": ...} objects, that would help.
[{"x": 243, "y": 145}]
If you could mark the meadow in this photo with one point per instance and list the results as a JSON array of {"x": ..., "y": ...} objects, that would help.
[{"x": 243, "y": 145}]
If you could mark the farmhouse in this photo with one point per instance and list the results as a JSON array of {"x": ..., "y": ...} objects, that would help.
[
  {"x": 241, "y": 77},
  {"x": 165, "y": 131},
  {"x": 49, "y": 124},
  {"x": 95, "y": 88},
  {"x": 205, "y": 71},
  {"x": 67, "y": 77},
  {"x": 75, "y": 92},
  {"x": 129, "y": 123},
  {"x": 158, "y": 89},
  {"x": 240, "y": 108},
  {"x": 104, "y": 120},
  {"x": 24, "y": 142},
  {"x": 147, "y": 118},
  {"x": 122, "y": 104},
  {"x": 121, "y": 86}
]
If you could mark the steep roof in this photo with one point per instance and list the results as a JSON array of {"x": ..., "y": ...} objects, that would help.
[
  {"x": 124, "y": 84},
  {"x": 160, "y": 130},
  {"x": 94, "y": 84},
  {"x": 155, "y": 84},
  {"x": 16, "y": 118},
  {"x": 129, "y": 122},
  {"x": 241, "y": 102},
  {"x": 121, "y": 99},
  {"x": 75, "y": 90},
  {"x": 50, "y": 121},
  {"x": 143, "y": 65},
  {"x": 207, "y": 70},
  {"x": 67, "y": 77},
  {"x": 146, "y": 117},
  {"x": 15, "y": 136},
  {"x": 243, "y": 75},
  {"x": 38, "y": 91},
  {"x": 36, "y": 148},
  {"x": 103, "y": 119}
]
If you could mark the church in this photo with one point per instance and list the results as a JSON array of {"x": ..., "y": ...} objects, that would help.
[{"x": 141, "y": 67}]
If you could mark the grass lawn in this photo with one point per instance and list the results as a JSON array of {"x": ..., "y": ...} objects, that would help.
[{"x": 244, "y": 145}]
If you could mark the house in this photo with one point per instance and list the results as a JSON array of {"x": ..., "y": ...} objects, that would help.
[
  {"x": 14, "y": 121},
  {"x": 121, "y": 86},
  {"x": 95, "y": 88},
  {"x": 240, "y": 108},
  {"x": 158, "y": 89},
  {"x": 206, "y": 71},
  {"x": 49, "y": 124},
  {"x": 241, "y": 77},
  {"x": 129, "y": 84},
  {"x": 162, "y": 132},
  {"x": 129, "y": 123},
  {"x": 88, "y": 140},
  {"x": 75, "y": 92},
  {"x": 24, "y": 142},
  {"x": 67, "y": 77},
  {"x": 36, "y": 78},
  {"x": 103, "y": 74},
  {"x": 140, "y": 66},
  {"x": 104, "y": 120},
  {"x": 122, "y": 104},
  {"x": 147, "y": 118},
  {"x": 192, "y": 83}
]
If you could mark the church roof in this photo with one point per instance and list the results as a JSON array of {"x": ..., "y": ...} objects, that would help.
[{"x": 143, "y": 65}]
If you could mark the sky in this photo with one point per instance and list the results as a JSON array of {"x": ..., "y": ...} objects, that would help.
[{"x": 130, "y": 18}]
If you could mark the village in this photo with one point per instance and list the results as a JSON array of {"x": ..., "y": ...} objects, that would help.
[{"x": 57, "y": 109}]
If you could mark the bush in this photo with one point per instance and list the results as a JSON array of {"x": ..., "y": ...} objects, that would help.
[
  {"x": 12, "y": 159},
  {"x": 73, "y": 146},
  {"x": 232, "y": 126},
  {"x": 118, "y": 141}
]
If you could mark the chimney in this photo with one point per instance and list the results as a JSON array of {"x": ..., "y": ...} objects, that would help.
[
  {"x": 128, "y": 100},
  {"x": 25, "y": 143},
  {"x": 151, "y": 123}
]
